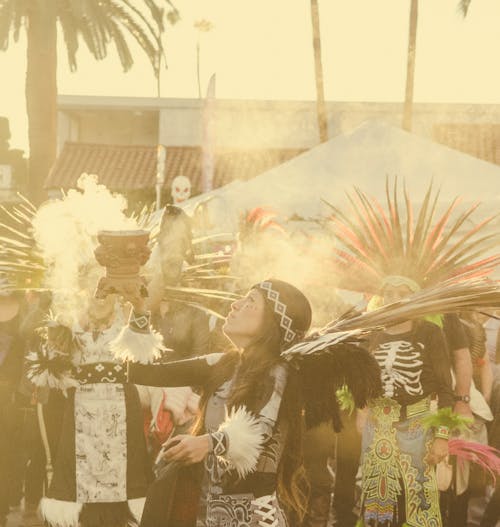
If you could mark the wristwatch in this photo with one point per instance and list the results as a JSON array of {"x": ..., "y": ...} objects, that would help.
[{"x": 463, "y": 398}]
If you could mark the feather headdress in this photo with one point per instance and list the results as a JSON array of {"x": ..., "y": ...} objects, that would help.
[{"x": 375, "y": 242}]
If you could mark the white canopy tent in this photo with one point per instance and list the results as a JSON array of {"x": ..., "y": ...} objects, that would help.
[{"x": 362, "y": 158}]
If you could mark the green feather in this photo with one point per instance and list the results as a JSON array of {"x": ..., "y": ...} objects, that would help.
[
  {"x": 446, "y": 417},
  {"x": 345, "y": 399},
  {"x": 438, "y": 320}
]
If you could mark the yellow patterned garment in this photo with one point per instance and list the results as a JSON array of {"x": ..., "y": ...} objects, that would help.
[{"x": 398, "y": 485}]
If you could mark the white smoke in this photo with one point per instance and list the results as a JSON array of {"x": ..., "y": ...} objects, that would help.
[
  {"x": 66, "y": 230},
  {"x": 302, "y": 257}
]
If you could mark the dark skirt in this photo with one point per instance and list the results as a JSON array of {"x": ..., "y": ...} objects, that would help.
[{"x": 173, "y": 499}]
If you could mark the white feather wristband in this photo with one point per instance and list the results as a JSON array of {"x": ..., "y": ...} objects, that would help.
[{"x": 245, "y": 440}]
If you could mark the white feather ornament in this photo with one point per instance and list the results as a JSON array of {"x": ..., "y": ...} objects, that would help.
[
  {"x": 131, "y": 345},
  {"x": 245, "y": 438},
  {"x": 58, "y": 513}
]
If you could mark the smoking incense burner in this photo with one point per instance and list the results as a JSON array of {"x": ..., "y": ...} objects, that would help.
[{"x": 122, "y": 253}]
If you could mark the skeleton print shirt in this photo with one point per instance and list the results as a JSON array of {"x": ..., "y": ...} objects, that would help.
[{"x": 414, "y": 364}]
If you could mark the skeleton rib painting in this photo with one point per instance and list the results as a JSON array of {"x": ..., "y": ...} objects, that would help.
[{"x": 401, "y": 367}]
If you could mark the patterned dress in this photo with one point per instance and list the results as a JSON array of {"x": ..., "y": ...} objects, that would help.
[{"x": 226, "y": 497}]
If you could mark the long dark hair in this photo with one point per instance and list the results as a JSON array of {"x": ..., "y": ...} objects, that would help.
[{"x": 252, "y": 388}]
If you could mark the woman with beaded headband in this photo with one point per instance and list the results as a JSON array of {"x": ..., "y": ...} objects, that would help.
[{"x": 242, "y": 466}]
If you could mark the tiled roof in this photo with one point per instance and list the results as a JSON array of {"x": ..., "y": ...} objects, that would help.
[
  {"x": 130, "y": 167},
  {"x": 478, "y": 140}
]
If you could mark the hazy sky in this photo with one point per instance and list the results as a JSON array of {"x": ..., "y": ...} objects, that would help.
[{"x": 263, "y": 49}]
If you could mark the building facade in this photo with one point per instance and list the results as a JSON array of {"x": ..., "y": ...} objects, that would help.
[{"x": 119, "y": 135}]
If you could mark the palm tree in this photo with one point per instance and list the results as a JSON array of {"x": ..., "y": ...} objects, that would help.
[
  {"x": 202, "y": 26},
  {"x": 318, "y": 73},
  {"x": 410, "y": 66},
  {"x": 463, "y": 6},
  {"x": 100, "y": 24}
]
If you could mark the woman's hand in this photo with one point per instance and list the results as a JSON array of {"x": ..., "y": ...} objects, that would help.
[
  {"x": 438, "y": 451},
  {"x": 187, "y": 449}
]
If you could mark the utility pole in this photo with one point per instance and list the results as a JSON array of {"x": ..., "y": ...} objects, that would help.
[{"x": 161, "y": 155}]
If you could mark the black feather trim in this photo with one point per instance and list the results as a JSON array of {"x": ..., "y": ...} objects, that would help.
[{"x": 323, "y": 374}]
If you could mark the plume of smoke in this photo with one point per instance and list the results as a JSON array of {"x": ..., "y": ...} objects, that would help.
[
  {"x": 66, "y": 230},
  {"x": 301, "y": 257}
]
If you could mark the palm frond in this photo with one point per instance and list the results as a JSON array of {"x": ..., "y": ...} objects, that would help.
[
  {"x": 13, "y": 15},
  {"x": 101, "y": 23},
  {"x": 123, "y": 20}
]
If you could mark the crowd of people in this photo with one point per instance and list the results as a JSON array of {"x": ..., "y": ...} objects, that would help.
[{"x": 151, "y": 411}]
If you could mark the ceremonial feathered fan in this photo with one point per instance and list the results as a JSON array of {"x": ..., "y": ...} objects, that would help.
[
  {"x": 375, "y": 242},
  {"x": 353, "y": 327},
  {"x": 335, "y": 355}
]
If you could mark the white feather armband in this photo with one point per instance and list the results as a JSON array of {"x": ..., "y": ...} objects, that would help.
[
  {"x": 136, "y": 347},
  {"x": 245, "y": 440},
  {"x": 137, "y": 342}
]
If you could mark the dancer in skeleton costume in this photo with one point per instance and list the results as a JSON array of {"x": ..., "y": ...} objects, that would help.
[
  {"x": 399, "y": 454},
  {"x": 382, "y": 253},
  {"x": 243, "y": 468}
]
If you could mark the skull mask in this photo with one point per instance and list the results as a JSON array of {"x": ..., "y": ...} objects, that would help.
[{"x": 181, "y": 189}]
